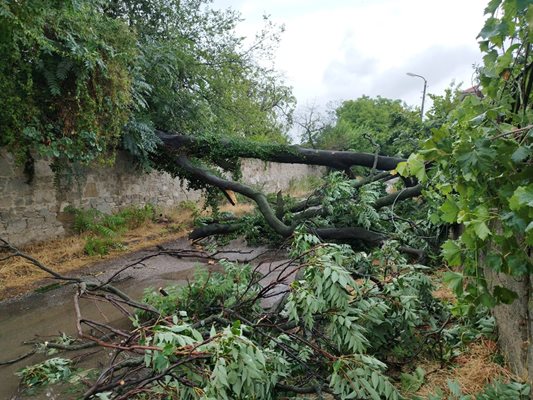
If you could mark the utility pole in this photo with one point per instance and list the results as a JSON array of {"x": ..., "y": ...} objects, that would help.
[{"x": 423, "y": 92}]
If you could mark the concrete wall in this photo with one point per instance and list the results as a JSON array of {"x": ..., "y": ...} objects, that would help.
[{"x": 35, "y": 211}]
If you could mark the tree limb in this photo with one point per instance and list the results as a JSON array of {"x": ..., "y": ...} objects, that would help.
[
  {"x": 261, "y": 200},
  {"x": 398, "y": 196},
  {"x": 197, "y": 145}
]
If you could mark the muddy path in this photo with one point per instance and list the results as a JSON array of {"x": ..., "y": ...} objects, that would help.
[{"x": 42, "y": 315}]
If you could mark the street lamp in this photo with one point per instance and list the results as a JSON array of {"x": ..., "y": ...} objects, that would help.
[{"x": 423, "y": 93}]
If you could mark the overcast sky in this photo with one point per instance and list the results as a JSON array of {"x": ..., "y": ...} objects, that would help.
[{"x": 340, "y": 49}]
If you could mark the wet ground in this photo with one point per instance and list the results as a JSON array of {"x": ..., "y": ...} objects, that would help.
[{"x": 47, "y": 314}]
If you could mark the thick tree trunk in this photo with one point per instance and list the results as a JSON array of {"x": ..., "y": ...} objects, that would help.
[{"x": 342, "y": 160}]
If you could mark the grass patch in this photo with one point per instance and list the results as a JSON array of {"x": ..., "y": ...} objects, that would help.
[
  {"x": 104, "y": 231},
  {"x": 305, "y": 185}
]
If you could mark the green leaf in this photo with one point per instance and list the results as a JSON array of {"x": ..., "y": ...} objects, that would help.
[
  {"x": 494, "y": 261},
  {"x": 522, "y": 196},
  {"x": 222, "y": 375},
  {"x": 455, "y": 281},
  {"x": 236, "y": 327},
  {"x": 373, "y": 394},
  {"x": 412, "y": 382},
  {"x": 521, "y": 154},
  {"x": 454, "y": 387},
  {"x": 417, "y": 166},
  {"x": 451, "y": 252},
  {"x": 402, "y": 169},
  {"x": 518, "y": 265},
  {"x": 492, "y": 6},
  {"x": 504, "y": 295},
  {"x": 481, "y": 229},
  {"x": 449, "y": 211}
]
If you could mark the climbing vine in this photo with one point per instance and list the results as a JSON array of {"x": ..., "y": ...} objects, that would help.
[
  {"x": 478, "y": 165},
  {"x": 64, "y": 79}
]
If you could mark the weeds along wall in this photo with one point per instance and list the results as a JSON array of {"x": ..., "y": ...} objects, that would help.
[{"x": 35, "y": 211}]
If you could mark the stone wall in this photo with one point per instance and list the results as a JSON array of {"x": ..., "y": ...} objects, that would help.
[{"x": 35, "y": 211}]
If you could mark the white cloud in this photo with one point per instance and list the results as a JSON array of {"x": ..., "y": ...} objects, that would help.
[
  {"x": 355, "y": 76},
  {"x": 344, "y": 48}
]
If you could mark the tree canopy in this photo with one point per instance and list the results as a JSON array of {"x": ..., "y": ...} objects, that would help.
[
  {"x": 374, "y": 125},
  {"x": 79, "y": 78},
  {"x": 479, "y": 159}
]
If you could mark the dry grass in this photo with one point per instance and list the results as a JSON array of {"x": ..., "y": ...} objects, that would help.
[
  {"x": 65, "y": 255},
  {"x": 473, "y": 370},
  {"x": 444, "y": 293}
]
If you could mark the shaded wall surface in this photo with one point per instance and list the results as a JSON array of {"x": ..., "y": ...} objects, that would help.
[{"x": 35, "y": 211}]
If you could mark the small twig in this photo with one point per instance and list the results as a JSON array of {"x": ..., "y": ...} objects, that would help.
[
  {"x": 513, "y": 132},
  {"x": 22, "y": 357}
]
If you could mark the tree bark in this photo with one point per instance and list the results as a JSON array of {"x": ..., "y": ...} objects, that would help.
[
  {"x": 260, "y": 199},
  {"x": 342, "y": 160},
  {"x": 214, "y": 229},
  {"x": 398, "y": 196}
]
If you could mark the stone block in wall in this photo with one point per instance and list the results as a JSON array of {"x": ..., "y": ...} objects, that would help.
[
  {"x": 17, "y": 226},
  {"x": 6, "y": 201},
  {"x": 90, "y": 190},
  {"x": 42, "y": 169},
  {"x": 3, "y": 185},
  {"x": 7, "y": 164},
  {"x": 19, "y": 187},
  {"x": 49, "y": 216},
  {"x": 43, "y": 194}
]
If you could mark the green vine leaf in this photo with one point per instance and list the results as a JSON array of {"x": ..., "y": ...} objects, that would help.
[
  {"x": 451, "y": 252},
  {"x": 522, "y": 197}
]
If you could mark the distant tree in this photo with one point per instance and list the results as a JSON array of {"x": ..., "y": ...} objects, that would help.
[
  {"x": 443, "y": 105},
  {"x": 374, "y": 124},
  {"x": 310, "y": 122}
]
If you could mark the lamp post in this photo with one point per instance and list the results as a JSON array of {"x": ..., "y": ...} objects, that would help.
[{"x": 423, "y": 93}]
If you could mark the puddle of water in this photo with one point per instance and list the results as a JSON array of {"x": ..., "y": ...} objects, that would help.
[{"x": 50, "y": 314}]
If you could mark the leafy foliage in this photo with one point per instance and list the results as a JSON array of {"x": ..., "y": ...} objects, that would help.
[
  {"x": 64, "y": 80},
  {"x": 481, "y": 161},
  {"x": 208, "y": 289},
  {"x": 347, "y": 321},
  {"x": 494, "y": 391},
  {"x": 81, "y": 78},
  {"x": 50, "y": 371},
  {"x": 373, "y": 125}
]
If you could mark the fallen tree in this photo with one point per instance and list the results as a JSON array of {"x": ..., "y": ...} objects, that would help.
[
  {"x": 185, "y": 157},
  {"x": 228, "y": 148},
  {"x": 326, "y": 321},
  {"x": 217, "y": 338}
]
